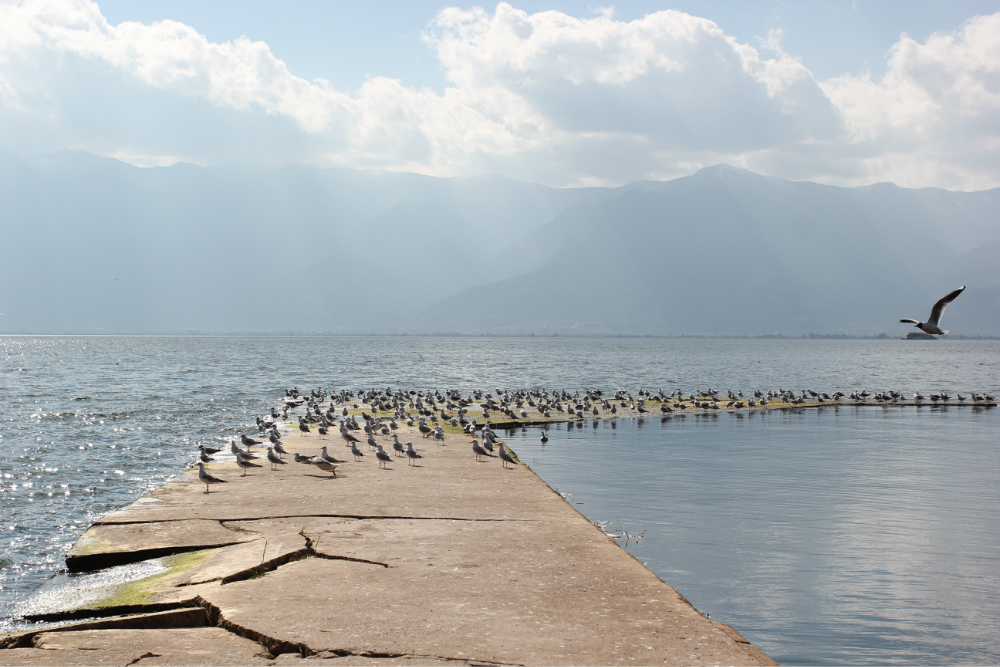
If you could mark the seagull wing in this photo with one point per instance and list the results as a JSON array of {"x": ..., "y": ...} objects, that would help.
[
  {"x": 938, "y": 310},
  {"x": 910, "y": 321}
]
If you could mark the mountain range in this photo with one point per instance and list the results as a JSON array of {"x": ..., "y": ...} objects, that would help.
[{"x": 95, "y": 245}]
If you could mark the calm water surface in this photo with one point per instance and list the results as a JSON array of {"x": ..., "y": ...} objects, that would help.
[{"x": 840, "y": 536}]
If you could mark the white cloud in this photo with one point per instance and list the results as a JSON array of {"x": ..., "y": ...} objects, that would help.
[
  {"x": 543, "y": 96},
  {"x": 934, "y": 118}
]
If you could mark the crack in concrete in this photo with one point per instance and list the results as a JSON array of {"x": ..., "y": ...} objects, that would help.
[
  {"x": 343, "y": 653},
  {"x": 148, "y": 654},
  {"x": 360, "y": 517},
  {"x": 311, "y": 546},
  {"x": 276, "y": 646}
]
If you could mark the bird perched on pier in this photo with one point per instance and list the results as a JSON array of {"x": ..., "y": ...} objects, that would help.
[
  {"x": 205, "y": 458},
  {"x": 505, "y": 457},
  {"x": 329, "y": 459},
  {"x": 274, "y": 459},
  {"x": 246, "y": 464},
  {"x": 323, "y": 465},
  {"x": 382, "y": 457},
  {"x": 303, "y": 426},
  {"x": 240, "y": 452},
  {"x": 933, "y": 323},
  {"x": 478, "y": 450},
  {"x": 357, "y": 452},
  {"x": 209, "y": 450},
  {"x": 248, "y": 441},
  {"x": 398, "y": 446},
  {"x": 207, "y": 479},
  {"x": 279, "y": 448},
  {"x": 411, "y": 453}
]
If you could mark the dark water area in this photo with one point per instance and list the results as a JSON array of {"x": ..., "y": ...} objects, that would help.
[{"x": 863, "y": 536}]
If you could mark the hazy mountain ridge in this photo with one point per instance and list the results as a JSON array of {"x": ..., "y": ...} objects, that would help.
[{"x": 96, "y": 245}]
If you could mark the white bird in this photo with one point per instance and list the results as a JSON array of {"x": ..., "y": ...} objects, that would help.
[
  {"x": 932, "y": 325},
  {"x": 207, "y": 479}
]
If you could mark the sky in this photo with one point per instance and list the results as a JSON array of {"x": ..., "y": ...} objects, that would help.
[{"x": 563, "y": 93}]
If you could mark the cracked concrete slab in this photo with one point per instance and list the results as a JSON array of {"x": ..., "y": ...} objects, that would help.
[
  {"x": 278, "y": 539},
  {"x": 183, "y": 646},
  {"x": 106, "y": 545},
  {"x": 452, "y": 562}
]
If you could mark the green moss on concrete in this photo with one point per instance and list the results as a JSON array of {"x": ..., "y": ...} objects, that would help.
[{"x": 138, "y": 593}]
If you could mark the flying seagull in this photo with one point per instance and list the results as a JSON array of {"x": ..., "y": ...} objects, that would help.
[{"x": 931, "y": 326}]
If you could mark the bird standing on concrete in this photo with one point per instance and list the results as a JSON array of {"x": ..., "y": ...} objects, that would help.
[
  {"x": 273, "y": 459},
  {"x": 932, "y": 325},
  {"x": 207, "y": 479},
  {"x": 383, "y": 458},
  {"x": 505, "y": 457},
  {"x": 411, "y": 453},
  {"x": 246, "y": 464}
]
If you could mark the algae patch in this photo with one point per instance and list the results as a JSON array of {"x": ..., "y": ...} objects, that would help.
[{"x": 138, "y": 593}]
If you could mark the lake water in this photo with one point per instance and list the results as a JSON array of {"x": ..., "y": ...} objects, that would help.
[{"x": 867, "y": 536}]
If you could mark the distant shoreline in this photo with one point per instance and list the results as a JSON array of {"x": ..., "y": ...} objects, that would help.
[{"x": 310, "y": 334}]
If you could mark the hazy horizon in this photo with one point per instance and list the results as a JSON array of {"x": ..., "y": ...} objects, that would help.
[{"x": 538, "y": 167}]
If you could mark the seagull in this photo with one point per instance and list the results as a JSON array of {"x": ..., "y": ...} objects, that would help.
[
  {"x": 931, "y": 326},
  {"x": 209, "y": 450},
  {"x": 382, "y": 457},
  {"x": 324, "y": 465},
  {"x": 505, "y": 456},
  {"x": 205, "y": 458},
  {"x": 357, "y": 452},
  {"x": 248, "y": 442},
  {"x": 246, "y": 464},
  {"x": 241, "y": 452},
  {"x": 303, "y": 426},
  {"x": 329, "y": 459},
  {"x": 397, "y": 445},
  {"x": 207, "y": 479},
  {"x": 279, "y": 448},
  {"x": 478, "y": 450},
  {"x": 273, "y": 459},
  {"x": 411, "y": 453}
]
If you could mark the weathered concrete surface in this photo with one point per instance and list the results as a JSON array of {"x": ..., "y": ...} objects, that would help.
[
  {"x": 103, "y": 545},
  {"x": 451, "y": 560},
  {"x": 183, "y": 646}
]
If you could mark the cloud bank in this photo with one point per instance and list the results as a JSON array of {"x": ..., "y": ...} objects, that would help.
[{"x": 545, "y": 97}]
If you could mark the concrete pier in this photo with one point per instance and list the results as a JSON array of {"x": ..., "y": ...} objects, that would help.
[{"x": 449, "y": 561}]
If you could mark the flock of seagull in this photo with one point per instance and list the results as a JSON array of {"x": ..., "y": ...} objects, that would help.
[{"x": 417, "y": 408}]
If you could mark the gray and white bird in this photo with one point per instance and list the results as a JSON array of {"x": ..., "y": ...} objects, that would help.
[
  {"x": 504, "y": 456},
  {"x": 398, "y": 446},
  {"x": 324, "y": 465},
  {"x": 411, "y": 453},
  {"x": 207, "y": 479},
  {"x": 329, "y": 459},
  {"x": 248, "y": 441},
  {"x": 357, "y": 452},
  {"x": 382, "y": 457},
  {"x": 274, "y": 459},
  {"x": 205, "y": 458},
  {"x": 241, "y": 452},
  {"x": 246, "y": 464},
  {"x": 933, "y": 323},
  {"x": 279, "y": 448},
  {"x": 478, "y": 450}
]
